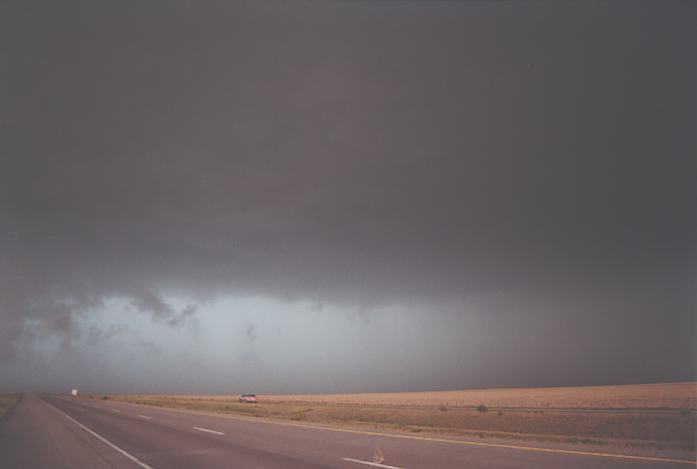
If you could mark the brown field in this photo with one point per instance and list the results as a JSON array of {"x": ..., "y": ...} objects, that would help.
[
  {"x": 633, "y": 396},
  {"x": 7, "y": 401},
  {"x": 653, "y": 415}
]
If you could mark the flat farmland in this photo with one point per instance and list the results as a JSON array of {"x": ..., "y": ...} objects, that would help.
[
  {"x": 633, "y": 396},
  {"x": 652, "y": 415},
  {"x": 7, "y": 401}
]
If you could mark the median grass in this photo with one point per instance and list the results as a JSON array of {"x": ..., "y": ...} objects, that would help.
[
  {"x": 657, "y": 416},
  {"x": 7, "y": 401}
]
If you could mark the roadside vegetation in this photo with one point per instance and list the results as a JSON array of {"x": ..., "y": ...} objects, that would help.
[
  {"x": 630, "y": 396},
  {"x": 7, "y": 401},
  {"x": 647, "y": 423}
]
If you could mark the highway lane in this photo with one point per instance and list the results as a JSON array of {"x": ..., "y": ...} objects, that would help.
[
  {"x": 33, "y": 435},
  {"x": 59, "y": 432}
]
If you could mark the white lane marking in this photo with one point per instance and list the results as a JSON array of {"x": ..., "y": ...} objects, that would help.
[
  {"x": 208, "y": 431},
  {"x": 145, "y": 417},
  {"x": 445, "y": 440},
  {"x": 434, "y": 439},
  {"x": 101, "y": 438},
  {"x": 116, "y": 410},
  {"x": 374, "y": 464}
]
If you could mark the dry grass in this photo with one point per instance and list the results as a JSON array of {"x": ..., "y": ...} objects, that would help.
[
  {"x": 652, "y": 415},
  {"x": 633, "y": 396},
  {"x": 7, "y": 401}
]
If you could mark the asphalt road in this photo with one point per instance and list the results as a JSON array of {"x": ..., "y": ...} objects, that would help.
[{"x": 58, "y": 432}]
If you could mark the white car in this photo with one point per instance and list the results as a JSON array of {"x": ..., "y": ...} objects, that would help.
[{"x": 248, "y": 398}]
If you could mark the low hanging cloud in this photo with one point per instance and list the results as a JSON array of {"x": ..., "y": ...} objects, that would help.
[
  {"x": 250, "y": 331},
  {"x": 454, "y": 154},
  {"x": 162, "y": 312}
]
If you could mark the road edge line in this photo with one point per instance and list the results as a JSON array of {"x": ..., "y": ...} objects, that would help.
[
  {"x": 271, "y": 421},
  {"x": 100, "y": 437}
]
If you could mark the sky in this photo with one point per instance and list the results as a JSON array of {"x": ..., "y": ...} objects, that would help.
[{"x": 225, "y": 197}]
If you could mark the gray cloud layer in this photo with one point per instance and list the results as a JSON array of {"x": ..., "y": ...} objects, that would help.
[{"x": 536, "y": 161}]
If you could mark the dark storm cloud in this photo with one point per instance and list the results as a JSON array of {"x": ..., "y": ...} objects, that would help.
[
  {"x": 539, "y": 157},
  {"x": 148, "y": 302},
  {"x": 250, "y": 331}
]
